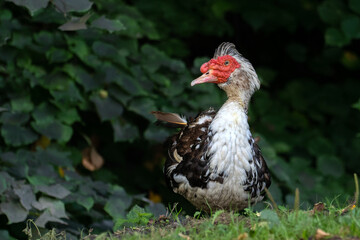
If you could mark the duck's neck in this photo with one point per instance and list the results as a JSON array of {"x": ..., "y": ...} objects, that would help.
[{"x": 230, "y": 137}]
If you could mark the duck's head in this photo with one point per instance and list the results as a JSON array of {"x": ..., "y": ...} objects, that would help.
[{"x": 231, "y": 72}]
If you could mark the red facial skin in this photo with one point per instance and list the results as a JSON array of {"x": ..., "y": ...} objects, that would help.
[{"x": 221, "y": 67}]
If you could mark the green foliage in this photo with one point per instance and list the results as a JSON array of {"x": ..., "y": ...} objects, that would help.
[
  {"x": 78, "y": 74},
  {"x": 136, "y": 217}
]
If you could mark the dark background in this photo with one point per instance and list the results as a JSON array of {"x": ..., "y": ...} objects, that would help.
[{"x": 73, "y": 98}]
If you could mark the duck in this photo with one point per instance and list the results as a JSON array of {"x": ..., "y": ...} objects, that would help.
[{"x": 214, "y": 161}]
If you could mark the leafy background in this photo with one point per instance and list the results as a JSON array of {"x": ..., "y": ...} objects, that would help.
[{"x": 78, "y": 147}]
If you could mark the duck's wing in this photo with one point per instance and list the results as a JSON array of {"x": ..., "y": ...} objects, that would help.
[
  {"x": 260, "y": 178},
  {"x": 187, "y": 160}
]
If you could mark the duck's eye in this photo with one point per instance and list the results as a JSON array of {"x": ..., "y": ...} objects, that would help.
[{"x": 227, "y": 63}]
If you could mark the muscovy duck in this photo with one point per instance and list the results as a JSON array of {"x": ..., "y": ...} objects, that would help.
[{"x": 214, "y": 161}]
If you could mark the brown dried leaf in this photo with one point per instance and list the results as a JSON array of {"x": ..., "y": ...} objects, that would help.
[
  {"x": 318, "y": 207},
  {"x": 320, "y": 234},
  {"x": 75, "y": 23},
  {"x": 184, "y": 236},
  {"x": 242, "y": 236},
  {"x": 91, "y": 159}
]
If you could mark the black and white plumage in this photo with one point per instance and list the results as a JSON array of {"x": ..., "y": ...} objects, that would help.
[{"x": 214, "y": 161}]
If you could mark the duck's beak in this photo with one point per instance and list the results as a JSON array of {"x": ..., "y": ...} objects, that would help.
[{"x": 205, "y": 78}]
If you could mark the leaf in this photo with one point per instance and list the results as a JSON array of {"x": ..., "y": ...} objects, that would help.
[
  {"x": 37, "y": 180},
  {"x": 13, "y": 211},
  {"x": 331, "y": 11},
  {"x": 78, "y": 46},
  {"x": 56, "y": 190},
  {"x": 85, "y": 79},
  {"x": 53, "y": 130},
  {"x": 351, "y": 27},
  {"x": 136, "y": 217},
  {"x": 44, "y": 38},
  {"x": 86, "y": 202},
  {"x": 355, "y": 6},
  {"x": 46, "y": 217},
  {"x": 108, "y": 24},
  {"x": 68, "y": 116},
  {"x": 143, "y": 107},
  {"x": 32, "y": 6},
  {"x": 66, "y": 6},
  {"x": 57, "y": 55},
  {"x": 105, "y": 50},
  {"x": 107, "y": 108},
  {"x": 320, "y": 234},
  {"x": 357, "y": 105},
  {"x": 75, "y": 23},
  {"x": 17, "y": 136},
  {"x": 54, "y": 156},
  {"x": 22, "y": 104},
  {"x": 118, "y": 202},
  {"x": 14, "y": 118},
  {"x": 91, "y": 159},
  {"x": 330, "y": 165},
  {"x": 26, "y": 195},
  {"x": 270, "y": 216},
  {"x": 55, "y": 207},
  {"x": 124, "y": 131},
  {"x": 156, "y": 133},
  {"x": 4, "y": 234},
  {"x": 334, "y": 37},
  {"x": 4, "y": 180}
]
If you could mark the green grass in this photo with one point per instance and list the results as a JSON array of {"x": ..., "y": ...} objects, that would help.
[
  {"x": 265, "y": 225},
  {"x": 324, "y": 221},
  {"x": 282, "y": 223}
]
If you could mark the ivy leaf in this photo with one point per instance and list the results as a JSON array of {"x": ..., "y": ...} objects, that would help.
[
  {"x": 56, "y": 190},
  {"x": 331, "y": 11},
  {"x": 156, "y": 134},
  {"x": 57, "y": 55},
  {"x": 108, "y": 24},
  {"x": 4, "y": 182},
  {"x": 14, "y": 118},
  {"x": 22, "y": 104},
  {"x": 37, "y": 180},
  {"x": 143, "y": 107},
  {"x": 75, "y": 23},
  {"x": 357, "y": 105},
  {"x": 78, "y": 47},
  {"x": 13, "y": 211},
  {"x": 118, "y": 203},
  {"x": 330, "y": 165},
  {"x": 351, "y": 27},
  {"x": 46, "y": 217},
  {"x": 355, "y": 6},
  {"x": 68, "y": 116},
  {"x": 26, "y": 195},
  {"x": 334, "y": 37},
  {"x": 32, "y": 6},
  {"x": 54, "y": 156},
  {"x": 124, "y": 131},
  {"x": 86, "y": 202},
  {"x": 17, "y": 135},
  {"x": 107, "y": 108},
  {"x": 66, "y": 6},
  {"x": 53, "y": 130},
  {"x": 55, "y": 207}
]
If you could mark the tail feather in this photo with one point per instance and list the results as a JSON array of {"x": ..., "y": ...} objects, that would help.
[{"x": 170, "y": 119}]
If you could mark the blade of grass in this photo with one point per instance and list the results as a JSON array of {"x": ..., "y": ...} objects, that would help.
[{"x": 272, "y": 201}]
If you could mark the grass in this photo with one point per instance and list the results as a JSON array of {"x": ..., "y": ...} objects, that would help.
[{"x": 324, "y": 221}]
